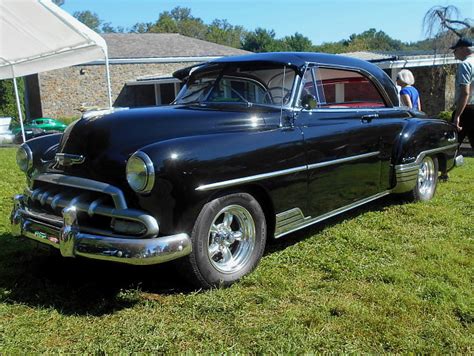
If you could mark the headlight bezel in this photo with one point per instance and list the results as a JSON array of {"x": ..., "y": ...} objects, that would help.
[
  {"x": 28, "y": 156},
  {"x": 148, "y": 173}
]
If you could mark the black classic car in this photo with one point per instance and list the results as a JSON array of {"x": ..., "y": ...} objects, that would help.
[{"x": 254, "y": 147}]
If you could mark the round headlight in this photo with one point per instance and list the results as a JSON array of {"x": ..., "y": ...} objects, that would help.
[
  {"x": 140, "y": 173},
  {"x": 24, "y": 158}
]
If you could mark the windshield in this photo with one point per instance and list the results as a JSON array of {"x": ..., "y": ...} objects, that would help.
[{"x": 255, "y": 83}]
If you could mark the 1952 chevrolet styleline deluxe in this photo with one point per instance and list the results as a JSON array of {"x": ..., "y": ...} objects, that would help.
[{"x": 253, "y": 147}]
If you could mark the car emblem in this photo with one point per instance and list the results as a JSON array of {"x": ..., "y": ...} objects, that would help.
[{"x": 66, "y": 159}]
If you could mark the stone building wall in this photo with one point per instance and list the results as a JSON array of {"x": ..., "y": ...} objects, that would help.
[
  {"x": 64, "y": 90},
  {"x": 436, "y": 87}
]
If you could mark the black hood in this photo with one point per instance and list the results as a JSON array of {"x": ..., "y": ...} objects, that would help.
[{"x": 107, "y": 141}]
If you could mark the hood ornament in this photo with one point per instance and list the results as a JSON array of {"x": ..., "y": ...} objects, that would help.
[{"x": 66, "y": 159}]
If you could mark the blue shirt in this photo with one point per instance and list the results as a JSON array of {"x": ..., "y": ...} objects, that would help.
[{"x": 413, "y": 94}]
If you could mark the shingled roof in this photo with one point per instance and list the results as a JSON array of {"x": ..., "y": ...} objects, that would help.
[{"x": 163, "y": 45}]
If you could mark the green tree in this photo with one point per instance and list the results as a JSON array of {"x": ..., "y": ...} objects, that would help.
[
  {"x": 222, "y": 32},
  {"x": 297, "y": 43},
  {"x": 88, "y": 18},
  {"x": 7, "y": 98},
  {"x": 261, "y": 40},
  {"x": 179, "y": 20},
  {"x": 141, "y": 27}
]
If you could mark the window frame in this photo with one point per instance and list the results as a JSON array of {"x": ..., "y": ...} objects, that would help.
[{"x": 314, "y": 66}]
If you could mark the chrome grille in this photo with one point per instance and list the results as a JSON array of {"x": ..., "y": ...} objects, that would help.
[{"x": 100, "y": 206}]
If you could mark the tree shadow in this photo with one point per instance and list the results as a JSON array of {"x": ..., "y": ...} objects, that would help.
[
  {"x": 39, "y": 276},
  {"x": 36, "y": 275},
  {"x": 289, "y": 240}
]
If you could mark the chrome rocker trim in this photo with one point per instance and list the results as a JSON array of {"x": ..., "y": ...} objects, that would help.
[
  {"x": 72, "y": 242},
  {"x": 294, "y": 219}
]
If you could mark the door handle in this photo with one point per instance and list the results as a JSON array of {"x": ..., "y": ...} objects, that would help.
[{"x": 368, "y": 118}]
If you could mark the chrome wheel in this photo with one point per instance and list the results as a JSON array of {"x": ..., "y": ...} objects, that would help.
[
  {"x": 427, "y": 177},
  {"x": 231, "y": 239}
]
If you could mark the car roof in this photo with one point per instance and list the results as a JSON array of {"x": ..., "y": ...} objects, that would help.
[{"x": 298, "y": 60}]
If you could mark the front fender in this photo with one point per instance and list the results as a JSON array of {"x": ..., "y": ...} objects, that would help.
[{"x": 182, "y": 165}]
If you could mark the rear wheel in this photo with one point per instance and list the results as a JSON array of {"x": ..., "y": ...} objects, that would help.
[
  {"x": 427, "y": 180},
  {"x": 228, "y": 241}
]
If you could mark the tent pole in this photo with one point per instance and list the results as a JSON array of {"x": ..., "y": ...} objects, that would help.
[
  {"x": 18, "y": 106},
  {"x": 107, "y": 73}
]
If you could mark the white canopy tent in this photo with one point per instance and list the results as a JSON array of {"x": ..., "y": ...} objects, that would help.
[{"x": 37, "y": 36}]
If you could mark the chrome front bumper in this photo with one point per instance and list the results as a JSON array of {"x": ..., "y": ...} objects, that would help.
[{"x": 71, "y": 242}]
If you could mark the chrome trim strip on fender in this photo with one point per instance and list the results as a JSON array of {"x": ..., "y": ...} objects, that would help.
[
  {"x": 422, "y": 155},
  {"x": 307, "y": 221},
  {"x": 237, "y": 181},
  {"x": 257, "y": 177},
  {"x": 343, "y": 160}
]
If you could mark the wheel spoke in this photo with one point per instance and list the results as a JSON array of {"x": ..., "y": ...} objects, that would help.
[
  {"x": 228, "y": 218},
  {"x": 213, "y": 230},
  {"x": 213, "y": 250},
  {"x": 237, "y": 235},
  {"x": 226, "y": 254}
]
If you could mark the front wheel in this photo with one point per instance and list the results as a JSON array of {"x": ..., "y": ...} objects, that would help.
[
  {"x": 228, "y": 241},
  {"x": 427, "y": 180}
]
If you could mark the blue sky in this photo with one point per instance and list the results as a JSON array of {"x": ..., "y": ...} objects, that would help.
[{"x": 319, "y": 20}]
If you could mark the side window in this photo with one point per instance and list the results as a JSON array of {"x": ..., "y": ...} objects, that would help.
[{"x": 347, "y": 89}]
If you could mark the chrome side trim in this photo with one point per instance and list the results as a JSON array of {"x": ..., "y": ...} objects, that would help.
[
  {"x": 257, "y": 177},
  {"x": 237, "y": 181},
  {"x": 422, "y": 155},
  {"x": 406, "y": 175},
  {"x": 307, "y": 221},
  {"x": 343, "y": 160},
  {"x": 288, "y": 220}
]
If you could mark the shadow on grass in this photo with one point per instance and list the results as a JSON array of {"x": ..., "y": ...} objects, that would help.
[
  {"x": 292, "y": 238},
  {"x": 39, "y": 276}
]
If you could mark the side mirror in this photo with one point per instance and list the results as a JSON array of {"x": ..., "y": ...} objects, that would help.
[{"x": 309, "y": 102}]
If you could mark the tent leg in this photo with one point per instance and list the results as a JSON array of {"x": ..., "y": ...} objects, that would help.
[
  {"x": 18, "y": 106},
  {"x": 107, "y": 73}
]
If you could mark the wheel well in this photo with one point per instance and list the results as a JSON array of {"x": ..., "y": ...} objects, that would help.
[
  {"x": 263, "y": 198},
  {"x": 442, "y": 162}
]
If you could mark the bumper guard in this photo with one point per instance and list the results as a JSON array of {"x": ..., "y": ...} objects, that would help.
[{"x": 71, "y": 242}]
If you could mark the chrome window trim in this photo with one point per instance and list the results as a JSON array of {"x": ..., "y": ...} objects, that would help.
[
  {"x": 388, "y": 102},
  {"x": 258, "y": 177}
]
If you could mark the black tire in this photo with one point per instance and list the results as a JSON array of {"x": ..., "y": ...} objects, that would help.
[
  {"x": 243, "y": 235},
  {"x": 426, "y": 182}
]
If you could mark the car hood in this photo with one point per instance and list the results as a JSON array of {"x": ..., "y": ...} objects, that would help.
[{"x": 107, "y": 141}]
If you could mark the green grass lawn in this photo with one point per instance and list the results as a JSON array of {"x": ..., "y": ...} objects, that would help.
[{"x": 383, "y": 278}]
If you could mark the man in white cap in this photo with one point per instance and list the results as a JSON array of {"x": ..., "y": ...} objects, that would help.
[{"x": 463, "y": 116}]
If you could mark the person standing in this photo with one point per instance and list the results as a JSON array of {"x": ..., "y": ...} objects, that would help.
[
  {"x": 409, "y": 95},
  {"x": 463, "y": 116}
]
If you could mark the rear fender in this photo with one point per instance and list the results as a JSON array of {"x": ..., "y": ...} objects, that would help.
[{"x": 421, "y": 138}]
